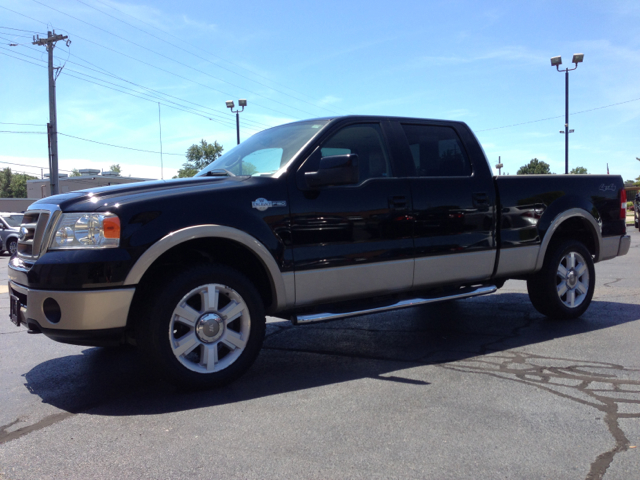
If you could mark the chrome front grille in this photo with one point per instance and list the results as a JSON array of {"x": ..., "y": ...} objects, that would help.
[{"x": 36, "y": 225}]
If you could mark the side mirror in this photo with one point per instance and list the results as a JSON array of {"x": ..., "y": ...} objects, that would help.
[{"x": 335, "y": 170}]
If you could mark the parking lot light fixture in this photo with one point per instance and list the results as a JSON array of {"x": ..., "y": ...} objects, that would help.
[
  {"x": 556, "y": 62},
  {"x": 241, "y": 103}
]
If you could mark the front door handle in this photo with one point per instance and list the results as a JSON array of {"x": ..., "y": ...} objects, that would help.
[{"x": 481, "y": 201}]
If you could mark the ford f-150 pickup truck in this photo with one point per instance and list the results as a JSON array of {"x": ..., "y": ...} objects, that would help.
[{"x": 310, "y": 221}]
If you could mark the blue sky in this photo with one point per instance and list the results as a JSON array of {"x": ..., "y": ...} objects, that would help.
[{"x": 484, "y": 63}]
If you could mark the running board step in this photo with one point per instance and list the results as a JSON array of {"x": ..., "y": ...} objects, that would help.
[{"x": 322, "y": 317}]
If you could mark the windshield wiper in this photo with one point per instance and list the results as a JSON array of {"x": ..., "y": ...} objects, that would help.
[{"x": 219, "y": 172}]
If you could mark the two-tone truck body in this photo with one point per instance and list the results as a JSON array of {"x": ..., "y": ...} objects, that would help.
[{"x": 312, "y": 221}]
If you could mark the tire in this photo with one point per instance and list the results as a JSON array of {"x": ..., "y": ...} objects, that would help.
[
  {"x": 203, "y": 327},
  {"x": 12, "y": 246},
  {"x": 564, "y": 287}
]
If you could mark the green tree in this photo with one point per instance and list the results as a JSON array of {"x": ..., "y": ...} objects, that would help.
[
  {"x": 116, "y": 168},
  {"x": 535, "y": 167},
  {"x": 5, "y": 183},
  {"x": 13, "y": 185},
  {"x": 579, "y": 171},
  {"x": 75, "y": 172},
  {"x": 19, "y": 185},
  {"x": 198, "y": 157}
]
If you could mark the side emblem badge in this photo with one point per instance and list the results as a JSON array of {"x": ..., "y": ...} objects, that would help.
[{"x": 261, "y": 204}]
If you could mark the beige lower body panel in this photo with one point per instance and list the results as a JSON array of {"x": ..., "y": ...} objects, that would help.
[
  {"x": 458, "y": 267},
  {"x": 81, "y": 310},
  {"x": 340, "y": 283},
  {"x": 517, "y": 261}
]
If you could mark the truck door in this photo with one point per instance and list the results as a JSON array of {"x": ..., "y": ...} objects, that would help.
[
  {"x": 352, "y": 240},
  {"x": 453, "y": 206}
]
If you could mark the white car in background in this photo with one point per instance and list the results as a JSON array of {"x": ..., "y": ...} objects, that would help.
[{"x": 10, "y": 231}]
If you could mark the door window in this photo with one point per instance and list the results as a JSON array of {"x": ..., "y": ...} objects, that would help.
[
  {"x": 366, "y": 141},
  {"x": 437, "y": 151}
]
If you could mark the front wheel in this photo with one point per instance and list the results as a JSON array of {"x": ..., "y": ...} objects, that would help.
[
  {"x": 204, "y": 327},
  {"x": 12, "y": 246},
  {"x": 565, "y": 285}
]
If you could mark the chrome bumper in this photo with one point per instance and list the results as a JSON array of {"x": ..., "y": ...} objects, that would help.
[{"x": 73, "y": 310}]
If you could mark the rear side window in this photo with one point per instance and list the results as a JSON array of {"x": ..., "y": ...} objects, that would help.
[{"x": 437, "y": 151}]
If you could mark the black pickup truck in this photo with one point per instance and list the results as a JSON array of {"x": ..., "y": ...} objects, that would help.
[{"x": 311, "y": 221}]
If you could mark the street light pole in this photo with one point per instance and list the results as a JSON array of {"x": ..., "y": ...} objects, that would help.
[
  {"x": 556, "y": 62},
  {"x": 241, "y": 103},
  {"x": 566, "y": 121}
]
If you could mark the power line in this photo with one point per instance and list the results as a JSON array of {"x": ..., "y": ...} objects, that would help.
[
  {"x": 156, "y": 92},
  {"x": 173, "y": 60},
  {"x": 32, "y": 166},
  {"x": 25, "y": 124},
  {"x": 186, "y": 109},
  {"x": 559, "y": 116},
  {"x": 119, "y": 53},
  {"x": 198, "y": 56},
  {"x": 106, "y": 72},
  {"x": 22, "y": 59},
  {"x": 18, "y": 29},
  {"x": 10, "y": 131},
  {"x": 209, "y": 53},
  {"x": 119, "y": 146}
]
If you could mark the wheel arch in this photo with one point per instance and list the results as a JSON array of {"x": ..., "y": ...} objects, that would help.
[
  {"x": 213, "y": 243},
  {"x": 574, "y": 223}
]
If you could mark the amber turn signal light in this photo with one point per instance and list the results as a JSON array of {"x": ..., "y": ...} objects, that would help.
[{"x": 111, "y": 226}]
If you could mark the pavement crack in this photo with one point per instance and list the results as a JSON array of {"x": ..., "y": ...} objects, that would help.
[
  {"x": 514, "y": 333},
  {"x": 47, "y": 421},
  {"x": 589, "y": 383},
  {"x": 608, "y": 284}
]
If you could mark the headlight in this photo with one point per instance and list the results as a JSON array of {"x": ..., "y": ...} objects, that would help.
[{"x": 86, "y": 230}]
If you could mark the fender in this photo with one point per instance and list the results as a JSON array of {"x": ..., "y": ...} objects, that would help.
[
  {"x": 280, "y": 291},
  {"x": 558, "y": 220}
]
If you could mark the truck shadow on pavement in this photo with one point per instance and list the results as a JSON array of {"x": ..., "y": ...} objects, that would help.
[
  {"x": 113, "y": 382},
  {"x": 474, "y": 336}
]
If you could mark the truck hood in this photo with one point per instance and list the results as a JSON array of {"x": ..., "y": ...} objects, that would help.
[{"x": 102, "y": 198}]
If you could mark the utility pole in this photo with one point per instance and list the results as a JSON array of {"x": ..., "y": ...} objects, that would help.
[
  {"x": 52, "y": 127},
  {"x": 499, "y": 166}
]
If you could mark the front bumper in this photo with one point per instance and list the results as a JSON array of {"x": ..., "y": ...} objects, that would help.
[{"x": 73, "y": 316}]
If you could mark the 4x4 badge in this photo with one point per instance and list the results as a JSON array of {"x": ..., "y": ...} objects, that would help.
[{"x": 262, "y": 204}]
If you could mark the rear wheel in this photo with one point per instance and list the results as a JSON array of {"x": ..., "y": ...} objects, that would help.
[
  {"x": 205, "y": 327},
  {"x": 564, "y": 287}
]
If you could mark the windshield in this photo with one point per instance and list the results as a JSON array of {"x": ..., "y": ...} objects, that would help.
[
  {"x": 266, "y": 152},
  {"x": 13, "y": 220}
]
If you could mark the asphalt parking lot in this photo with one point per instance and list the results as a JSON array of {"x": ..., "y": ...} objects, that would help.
[{"x": 482, "y": 388}]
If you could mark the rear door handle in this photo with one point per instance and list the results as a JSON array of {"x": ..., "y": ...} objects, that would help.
[{"x": 398, "y": 202}]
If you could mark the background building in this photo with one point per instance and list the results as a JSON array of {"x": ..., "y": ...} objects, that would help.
[{"x": 89, "y": 178}]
